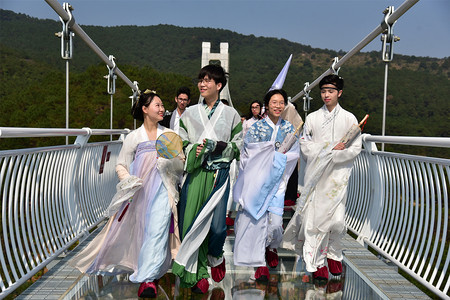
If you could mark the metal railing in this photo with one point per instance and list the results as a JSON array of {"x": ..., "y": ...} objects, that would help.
[
  {"x": 51, "y": 197},
  {"x": 398, "y": 205}
]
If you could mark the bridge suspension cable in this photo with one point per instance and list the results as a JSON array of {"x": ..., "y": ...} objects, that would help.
[
  {"x": 377, "y": 31},
  {"x": 89, "y": 42}
]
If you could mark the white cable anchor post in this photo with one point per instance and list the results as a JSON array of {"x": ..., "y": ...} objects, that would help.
[
  {"x": 388, "y": 39},
  {"x": 333, "y": 66},
  {"x": 111, "y": 88},
  {"x": 306, "y": 99},
  {"x": 66, "y": 36},
  {"x": 134, "y": 98}
]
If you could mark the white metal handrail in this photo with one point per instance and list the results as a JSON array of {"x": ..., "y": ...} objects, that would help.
[
  {"x": 398, "y": 205},
  {"x": 54, "y": 132},
  {"x": 50, "y": 198},
  {"x": 410, "y": 140}
]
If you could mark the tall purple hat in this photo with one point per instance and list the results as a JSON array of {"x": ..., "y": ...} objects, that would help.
[{"x": 278, "y": 83}]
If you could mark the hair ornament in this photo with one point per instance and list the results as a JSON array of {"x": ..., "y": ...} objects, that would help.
[{"x": 147, "y": 91}]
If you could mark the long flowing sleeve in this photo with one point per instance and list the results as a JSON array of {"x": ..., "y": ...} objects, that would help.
[
  {"x": 315, "y": 138},
  {"x": 349, "y": 153},
  {"x": 308, "y": 147},
  {"x": 126, "y": 156}
]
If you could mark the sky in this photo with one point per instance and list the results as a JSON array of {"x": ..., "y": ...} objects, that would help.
[{"x": 424, "y": 30}]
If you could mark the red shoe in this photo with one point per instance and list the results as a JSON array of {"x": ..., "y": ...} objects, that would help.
[
  {"x": 147, "y": 290},
  {"x": 218, "y": 272},
  {"x": 289, "y": 202},
  {"x": 272, "y": 257},
  {"x": 262, "y": 274},
  {"x": 334, "y": 266},
  {"x": 229, "y": 221},
  {"x": 321, "y": 273},
  {"x": 201, "y": 287}
]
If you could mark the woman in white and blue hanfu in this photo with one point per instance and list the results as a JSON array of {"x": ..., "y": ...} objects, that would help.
[{"x": 263, "y": 175}]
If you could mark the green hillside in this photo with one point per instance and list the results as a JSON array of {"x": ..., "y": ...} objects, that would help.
[{"x": 163, "y": 57}]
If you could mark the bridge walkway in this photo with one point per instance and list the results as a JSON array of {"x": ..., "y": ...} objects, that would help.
[{"x": 365, "y": 276}]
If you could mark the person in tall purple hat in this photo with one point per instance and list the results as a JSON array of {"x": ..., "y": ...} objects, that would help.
[{"x": 259, "y": 190}]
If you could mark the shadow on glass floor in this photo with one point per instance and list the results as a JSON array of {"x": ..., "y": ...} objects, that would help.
[{"x": 289, "y": 280}]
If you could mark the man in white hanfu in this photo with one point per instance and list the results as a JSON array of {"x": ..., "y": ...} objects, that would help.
[
  {"x": 317, "y": 227},
  {"x": 212, "y": 135},
  {"x": 260, "y": 188}
]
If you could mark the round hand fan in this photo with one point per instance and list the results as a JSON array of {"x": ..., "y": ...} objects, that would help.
[{"x": 169, "y": 145}]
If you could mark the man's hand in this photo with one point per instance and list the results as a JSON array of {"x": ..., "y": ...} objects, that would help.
[
  {"x": 340, "y": 146},
  {"x": 200, "y": 148}
]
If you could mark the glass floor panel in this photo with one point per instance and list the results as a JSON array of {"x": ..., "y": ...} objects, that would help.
[{"x": 289, "y": 280}]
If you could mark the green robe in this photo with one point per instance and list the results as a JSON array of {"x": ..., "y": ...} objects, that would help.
[{"x": 202, "y": 207}]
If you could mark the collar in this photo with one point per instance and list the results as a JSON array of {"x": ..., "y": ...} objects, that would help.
[
  {"x": 271, "y": 124},
  {"x": 210, "y": 112},
  {"x": 334, "y": 111},
  {"x": 143, "y": 134},
  {"x": 176, "y": 113}
]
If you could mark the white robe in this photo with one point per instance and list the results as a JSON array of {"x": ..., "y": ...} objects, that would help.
[
  {"x": 175, "y": 121},
  {"x": 318, "y": 224},
  {"x": 260, "y": 190}
]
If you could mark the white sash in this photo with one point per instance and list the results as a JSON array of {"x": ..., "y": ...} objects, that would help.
[{"x": 208, "y": 124}]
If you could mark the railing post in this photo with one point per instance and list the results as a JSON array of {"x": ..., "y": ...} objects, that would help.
[
  {"x": 76, "y": 218},
  {"x": 375, "y": 207}
]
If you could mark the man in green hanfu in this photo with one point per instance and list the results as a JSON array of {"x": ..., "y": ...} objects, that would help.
[{"x": 212, "y": 136}]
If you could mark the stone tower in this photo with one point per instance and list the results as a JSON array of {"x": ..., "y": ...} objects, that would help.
[{"x": 223, "y": 58}]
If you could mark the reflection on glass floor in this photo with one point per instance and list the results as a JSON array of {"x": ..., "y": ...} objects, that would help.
[{"x": 287, "y": 281}]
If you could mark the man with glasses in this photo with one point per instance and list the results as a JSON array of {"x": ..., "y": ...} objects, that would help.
[
  {"x": 172, "y": 120},
  {"x": 212, "y": 136}
]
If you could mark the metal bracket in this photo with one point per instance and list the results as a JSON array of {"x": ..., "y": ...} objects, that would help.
[
  {"x": 136, "y": 93},
  {"x": 66, "y": 34},
  {"x": 83, "y": 139},
  {"x": 306, "y": 99},
  {"x": 333, "y": 66},
  {"x": 387, "y": 37},
  {"x": 111, "y": 76}
]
